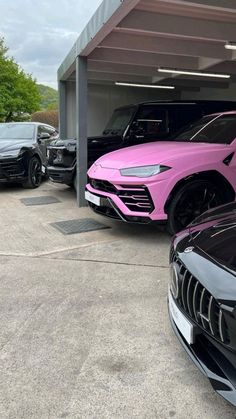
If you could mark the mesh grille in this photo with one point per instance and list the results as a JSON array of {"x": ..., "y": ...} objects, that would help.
[
  {"x": 199, "y": 304},
  {"x": 10, "y": 168},
  {"x": 103, "y": 185}
]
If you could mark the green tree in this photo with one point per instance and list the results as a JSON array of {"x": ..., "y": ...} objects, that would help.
[
  {"x": 18, "y": 91},
  {"x": 49, "y": 97}
]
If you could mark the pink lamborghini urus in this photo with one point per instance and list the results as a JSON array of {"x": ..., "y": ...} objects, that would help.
[{"x": 169, "y": 181}]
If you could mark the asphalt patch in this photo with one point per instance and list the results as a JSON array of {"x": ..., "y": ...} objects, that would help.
[
  {"x": 78, "y": 226},
  {"x": 40, "y": 200}
]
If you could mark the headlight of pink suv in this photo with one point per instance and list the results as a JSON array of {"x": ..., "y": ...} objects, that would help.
[{"x": 144, "y": 171}]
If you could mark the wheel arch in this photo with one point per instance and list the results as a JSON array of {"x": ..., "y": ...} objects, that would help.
[
  {"x": 28, "y": 154},
  {"x": 212, "y": 175}
]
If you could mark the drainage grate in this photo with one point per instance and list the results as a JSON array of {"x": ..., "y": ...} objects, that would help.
[
  {"x": 78, "y": 226},
  {"x": 40, "y": 200}
]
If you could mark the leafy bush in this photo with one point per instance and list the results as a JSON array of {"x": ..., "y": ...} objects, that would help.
[{"x": 46, "y": 117}]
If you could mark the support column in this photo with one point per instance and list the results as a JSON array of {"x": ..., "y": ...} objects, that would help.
[
  {"x": 81, "y": 127},
  {"x": 62, "y": 109}
]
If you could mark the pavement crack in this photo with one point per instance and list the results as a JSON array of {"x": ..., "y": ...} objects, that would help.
[
  {"x": 109, "y": 262},
  {"x": 141, "y": 265}
]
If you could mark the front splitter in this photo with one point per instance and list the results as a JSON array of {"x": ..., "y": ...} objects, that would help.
[{"x": 209, "y": 364}]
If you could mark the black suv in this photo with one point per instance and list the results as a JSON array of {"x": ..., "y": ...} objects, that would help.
[
  {"x": 130, "y": 125},
  {"x": 23, "y": 152}
]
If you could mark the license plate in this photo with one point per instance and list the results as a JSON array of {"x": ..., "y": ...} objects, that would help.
[
  {"x": 183, "y": 324},
  {"x": 43, "y": 169},
  {"x": 92, "y": 198}
]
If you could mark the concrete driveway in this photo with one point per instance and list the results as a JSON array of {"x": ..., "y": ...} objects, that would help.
[{"x": 84, "y": 324}]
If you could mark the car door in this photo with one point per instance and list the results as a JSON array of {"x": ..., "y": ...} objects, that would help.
[{"x": 150, "y": 123}]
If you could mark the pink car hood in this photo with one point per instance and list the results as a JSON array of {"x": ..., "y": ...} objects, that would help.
[{"x": 155, "y": 153}]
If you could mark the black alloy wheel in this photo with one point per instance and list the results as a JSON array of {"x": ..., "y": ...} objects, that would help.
[
  {"x": 34, "y": 174},
  {"x": 192, "y": 200}
]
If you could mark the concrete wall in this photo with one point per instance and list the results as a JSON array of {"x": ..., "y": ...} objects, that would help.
[
  {"x": 103, "y": 99},
  {"x": 212, "y": 94},
  {"x": 70, "y": 110}
]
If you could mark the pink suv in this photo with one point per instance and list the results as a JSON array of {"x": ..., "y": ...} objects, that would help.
[{"x": 169, "y": 181}]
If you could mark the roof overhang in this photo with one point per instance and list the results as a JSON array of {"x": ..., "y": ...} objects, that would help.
[{"x": 129, "y": 40}]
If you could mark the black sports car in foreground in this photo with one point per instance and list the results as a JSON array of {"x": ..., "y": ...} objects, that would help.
[
  {"x": 202, "y": 296},
  {"x": 23, "y": 152}
]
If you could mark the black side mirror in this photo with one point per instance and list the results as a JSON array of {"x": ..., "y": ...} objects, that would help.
[{"x": 44, "y": 136}]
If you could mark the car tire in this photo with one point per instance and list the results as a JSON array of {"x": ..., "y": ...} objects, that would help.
[
  {"x": 34, "y": 174},
  {"x": 190, "y": 201}
]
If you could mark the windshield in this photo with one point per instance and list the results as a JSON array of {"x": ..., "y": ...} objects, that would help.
[
  {"x": 120, "y": 120},
  {"x": 219, "y": 129},
  {"x": 16, "y": 131}
]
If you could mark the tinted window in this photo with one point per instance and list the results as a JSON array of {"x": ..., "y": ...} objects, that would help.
[
  {"x": 182, "y": 115},
  {"x": 49, "y": 130},
  {"x": 120, "y": 120},
  {"x": 16, "y": 131},
  {"x": 211, "y": 129},
  {"x": 152, "y": 120}
]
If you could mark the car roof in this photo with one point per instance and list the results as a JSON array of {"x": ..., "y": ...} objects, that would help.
[
  {"x": 186, "y": 102},
  {"x": 178, "y": 102},
  {"x": 27, "y": 123}
]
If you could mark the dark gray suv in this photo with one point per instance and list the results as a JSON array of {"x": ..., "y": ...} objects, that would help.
[{"x": 23, "y": 152}]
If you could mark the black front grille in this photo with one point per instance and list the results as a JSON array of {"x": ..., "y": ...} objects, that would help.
[
  {"x": 103, "y": 185},
  {"x": 10, "y": 168},
  {"x": 136, "y": 198},
  {"x": 199, "y": 304}
]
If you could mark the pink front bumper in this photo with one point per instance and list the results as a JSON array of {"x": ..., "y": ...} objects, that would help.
[{"x": 157, "y": 213}]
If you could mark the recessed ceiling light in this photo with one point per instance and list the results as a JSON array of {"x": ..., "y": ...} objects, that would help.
[
  {"x": 230, "y": 45},
  {"x": 150, "y": 86},
  {"x": 193, "y": 73}
]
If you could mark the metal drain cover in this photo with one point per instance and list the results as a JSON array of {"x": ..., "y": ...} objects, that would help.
[
  {"x": 40, "y": 200},
  {"x": 78, "y": 226}
]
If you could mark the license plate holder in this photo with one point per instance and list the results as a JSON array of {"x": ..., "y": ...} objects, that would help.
[
  {"x": 185, "y": 327},
  {"x": 94, "y": 199}
]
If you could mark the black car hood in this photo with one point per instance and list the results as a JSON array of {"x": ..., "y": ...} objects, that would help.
[
  {"x": 12, "y": 146},
  {"x": 214, "y": 233}
]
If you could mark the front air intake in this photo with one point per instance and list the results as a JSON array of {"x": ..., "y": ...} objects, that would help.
[{"x": 199, "y": 304}]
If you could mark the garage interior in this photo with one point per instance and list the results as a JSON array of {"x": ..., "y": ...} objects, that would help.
[{"x": 144, "y": 42}]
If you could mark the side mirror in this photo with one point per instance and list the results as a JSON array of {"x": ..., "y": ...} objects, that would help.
[{"x": 44, "y": 136}]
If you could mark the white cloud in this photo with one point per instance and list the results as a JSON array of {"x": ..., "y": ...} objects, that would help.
[{"x": 39, "y": 35}]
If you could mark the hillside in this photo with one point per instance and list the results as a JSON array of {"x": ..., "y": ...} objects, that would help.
[{"x": 49, "y": 97}]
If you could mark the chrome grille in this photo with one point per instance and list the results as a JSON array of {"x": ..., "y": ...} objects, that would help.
[{"x": 199, "y": 304}]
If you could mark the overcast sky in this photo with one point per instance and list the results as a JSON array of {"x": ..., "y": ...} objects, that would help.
[{"x": 40, "y": 34}]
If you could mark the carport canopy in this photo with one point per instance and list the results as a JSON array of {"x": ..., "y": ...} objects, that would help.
[{"x": 130, "y": 41}]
